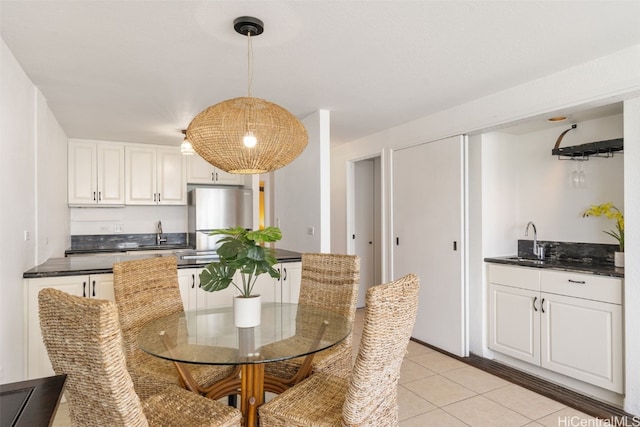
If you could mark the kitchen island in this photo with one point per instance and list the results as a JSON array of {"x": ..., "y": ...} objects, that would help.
[
  {"x": 103, "y": 263},
  {"x": 91, "y": 276}
]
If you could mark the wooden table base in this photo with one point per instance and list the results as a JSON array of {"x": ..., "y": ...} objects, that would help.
[
  {"x": 248, "y": 380},
  {"x": 251, "y": 392}
]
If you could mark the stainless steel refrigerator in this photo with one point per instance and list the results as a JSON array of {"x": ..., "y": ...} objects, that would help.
[{"x": 212, "y": 208}]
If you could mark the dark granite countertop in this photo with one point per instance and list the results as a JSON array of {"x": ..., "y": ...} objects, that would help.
[
  {"x": 103, "y": 263},
  {"x": 563, "y": 265}
]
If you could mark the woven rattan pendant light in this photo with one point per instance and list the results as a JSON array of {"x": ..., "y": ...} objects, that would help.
[{"x": 247, "y": 135}]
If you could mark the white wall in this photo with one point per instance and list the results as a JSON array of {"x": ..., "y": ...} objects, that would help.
[
  {"x": 30, "y": 138},
  {"x": 632, "y": 253},
  {"x": 603, "y": 81},
  {"x": 545, "y": 193},
  {"x": 51, "y": 193},
  {"x": 301, "y": 192},
  {"x": 523, "y": 182},
  {"x": 493, "y": 193}
]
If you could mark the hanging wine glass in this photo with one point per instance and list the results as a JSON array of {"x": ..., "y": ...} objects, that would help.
[
  {"x": 582, "y": 176},
  {"x": 574, "y": 180}
]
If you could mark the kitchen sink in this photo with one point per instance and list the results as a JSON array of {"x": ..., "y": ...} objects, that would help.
[
  {"x": 137, "y": 246},
  {"x": 198, "y": 255},
  {"x": 524, "y": 259}
]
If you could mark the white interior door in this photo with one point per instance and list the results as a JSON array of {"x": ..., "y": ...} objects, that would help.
[
  {"x": 428, "y": 231},
  {"x": 364, "y": 225}
]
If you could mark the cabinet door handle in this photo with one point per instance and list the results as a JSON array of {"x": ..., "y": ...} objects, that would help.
[
  {"x": 158, "y": 197},
  {"x": 84, "y": 289},
  {"x": 580, "y": 282},
  {"x": 213, "y": 176},
  {"x": 93, "y": 291},
  {"x": 285, "y": 273},
  {"x": 542, "y": 305},
  {"x": 216, "y": 176},
  {"x": 94, "y": 196},
  {"x": 155, "y": 195},
  {"x": 99, "y": 195},
  {"x": 193, "y": 281},
  {"x": 534, "y": 303}
]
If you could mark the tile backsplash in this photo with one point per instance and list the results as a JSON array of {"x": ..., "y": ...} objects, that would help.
[
  {"x": 586, "y": 253},
  {"x": 119, "y": 241}
]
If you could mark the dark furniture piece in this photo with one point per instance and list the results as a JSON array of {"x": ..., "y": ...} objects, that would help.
[{"x": 32, "y": 402}]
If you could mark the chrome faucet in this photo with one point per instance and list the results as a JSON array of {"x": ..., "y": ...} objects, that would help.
[
  {"x": 538, "y": 250},
  {"x": 159, "y": 238}
]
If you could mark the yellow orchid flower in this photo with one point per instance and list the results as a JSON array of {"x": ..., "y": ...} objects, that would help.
[{"x": 611, "y": 212}]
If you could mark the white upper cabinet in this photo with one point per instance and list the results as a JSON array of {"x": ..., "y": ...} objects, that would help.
[
  {"x": 155, "y": 175},
  {"x": 199, "y": 171},
  {"x": 96, "y": 175}
]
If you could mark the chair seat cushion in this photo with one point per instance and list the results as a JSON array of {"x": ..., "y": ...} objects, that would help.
[
  {"x": 153, "y": 373},
  {"x": 336, "y": 360},
  {"x": 176, "y": 407},
  {"x": 316, "y": 401}
]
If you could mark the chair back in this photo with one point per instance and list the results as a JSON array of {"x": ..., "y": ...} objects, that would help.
[
  {"x": 144, "y": 290},
  {"x": 388, "y": 322},
  {"x": 82, "y": 337},
  {"x": 330, "y": 281}
]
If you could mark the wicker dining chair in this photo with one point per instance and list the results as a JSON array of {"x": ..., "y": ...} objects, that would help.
[
  {"x": 145, "y": 290},
  {"x": 329, "y": 281},
  {"x": 83, "y": 339},
  {"x": 369, "y": 397}
]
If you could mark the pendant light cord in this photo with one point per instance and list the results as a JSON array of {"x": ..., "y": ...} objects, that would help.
[{"x": 250, "y": 61}]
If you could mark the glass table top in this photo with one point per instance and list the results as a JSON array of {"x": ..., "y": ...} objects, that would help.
[{"x": 208, "y": 336}]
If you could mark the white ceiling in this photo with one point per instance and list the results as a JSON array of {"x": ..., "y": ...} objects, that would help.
[{"x": 139, "y": 71}]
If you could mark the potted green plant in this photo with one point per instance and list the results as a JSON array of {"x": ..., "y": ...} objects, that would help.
[
  {"x": 242, "y": 251},
  {"x": 611, "y": 212}
]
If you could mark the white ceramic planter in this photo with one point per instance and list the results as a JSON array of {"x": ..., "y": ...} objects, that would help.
[
  {"x": 247, "y": 311},
  {"x": 618, "y": 259}
]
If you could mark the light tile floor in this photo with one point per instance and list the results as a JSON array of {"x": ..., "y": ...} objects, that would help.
[{"x": 436, "y": 390}]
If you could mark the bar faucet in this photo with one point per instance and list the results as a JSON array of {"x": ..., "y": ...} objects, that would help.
[
  {"x": 538, "y": 250},
  {"x": 159, "y": 238}
]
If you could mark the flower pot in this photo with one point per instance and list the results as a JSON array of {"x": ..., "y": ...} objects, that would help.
[
  {"x": 246, "y": 311},
  {"x": 618, "y": 259}
]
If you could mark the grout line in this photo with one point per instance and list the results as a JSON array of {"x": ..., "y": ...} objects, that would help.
[{"x": 538, "y": 385}]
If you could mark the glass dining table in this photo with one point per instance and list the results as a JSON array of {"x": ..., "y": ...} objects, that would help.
[{"x": 208, "y": 336}]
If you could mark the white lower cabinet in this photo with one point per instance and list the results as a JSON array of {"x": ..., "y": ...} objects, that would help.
[
  {"x": 582, "y": 339},
  {"x": 265, "y": 286},
  {"x": 514, "y": 324},
  {"x": 288, "y": 286},
  {"x": 566, "y": 322},
  {"x": 194, "y": 297},
  {"x": 89, "y": 286},
  {"x": 271, "y": 290},
  {"x": 285, "y": 289}
]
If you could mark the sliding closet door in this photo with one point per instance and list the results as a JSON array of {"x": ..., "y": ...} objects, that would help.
[{"x": 429, "y": 237}]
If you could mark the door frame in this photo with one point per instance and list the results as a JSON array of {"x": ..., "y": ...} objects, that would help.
[{"x": 351, "y": 211}]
